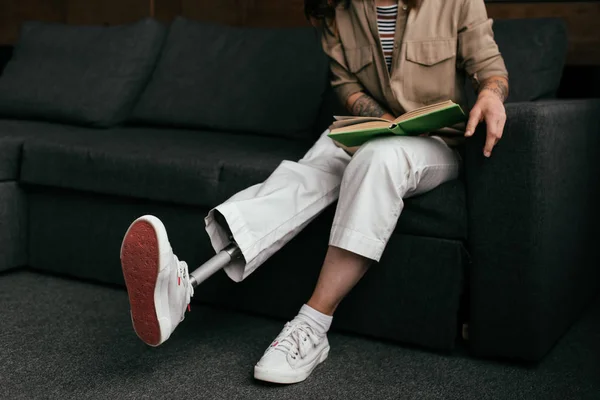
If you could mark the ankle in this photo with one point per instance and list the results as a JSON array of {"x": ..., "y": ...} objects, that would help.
[
  {"x": 319, "y": 321},
  {"x": 322, "y": 307}
]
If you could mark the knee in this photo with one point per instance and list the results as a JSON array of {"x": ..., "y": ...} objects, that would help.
[{"x": 380, "y": 155}]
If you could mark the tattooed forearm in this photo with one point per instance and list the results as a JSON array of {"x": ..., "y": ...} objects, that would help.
[
  {"x": 497, "y": 86},
  {"x": 366, "y": 106}
]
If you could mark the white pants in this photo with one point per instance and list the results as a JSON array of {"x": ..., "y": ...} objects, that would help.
[{"x": 371, "y": 186}]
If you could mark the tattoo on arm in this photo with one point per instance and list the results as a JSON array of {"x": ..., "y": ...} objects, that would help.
[
  {"x": 497, "y": 86},
  {"x": 366, "y": 106}
]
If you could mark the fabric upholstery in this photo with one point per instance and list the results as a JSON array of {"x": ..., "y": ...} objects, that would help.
[
  {"x": 88, "y": 75},
  {"x": 412, "y": 295},
  {"x": 533, "y": 215},
  {"x": 13, "y": 226},
  {"x": 188, "y": 167},
  {"x": 191, "y": 167},
  {"x": 216, "y": 77},
  {"x": 10, "y": 158}
]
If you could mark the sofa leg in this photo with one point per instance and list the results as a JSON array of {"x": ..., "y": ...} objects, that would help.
[{"x": 215, "y": 264}]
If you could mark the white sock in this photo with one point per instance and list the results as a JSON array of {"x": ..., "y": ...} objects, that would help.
[{"x": 314, "y": 318}]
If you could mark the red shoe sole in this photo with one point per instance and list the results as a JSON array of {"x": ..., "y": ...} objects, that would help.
[{"x": 140, "y": 263}]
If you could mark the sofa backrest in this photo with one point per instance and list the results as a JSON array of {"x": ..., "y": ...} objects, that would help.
[
  {"x": 248, "y": 80},
  {"x": 89, "y": 75}
]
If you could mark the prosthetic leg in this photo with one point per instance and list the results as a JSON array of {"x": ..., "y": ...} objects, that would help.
[{"x": 215, "y": 264}]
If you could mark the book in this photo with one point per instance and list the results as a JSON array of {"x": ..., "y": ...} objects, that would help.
[{"x": 354, "y": 131}]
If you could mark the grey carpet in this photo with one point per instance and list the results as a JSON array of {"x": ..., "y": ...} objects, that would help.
[{"x": 65, "y": 339}]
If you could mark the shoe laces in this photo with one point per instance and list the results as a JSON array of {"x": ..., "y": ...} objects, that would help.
[
  {"x": 293, "y": 334},
  {"x": 183, "y": 278}
]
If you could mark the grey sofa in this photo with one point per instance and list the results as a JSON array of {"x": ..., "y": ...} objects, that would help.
[{"x": 99, "y": 125}]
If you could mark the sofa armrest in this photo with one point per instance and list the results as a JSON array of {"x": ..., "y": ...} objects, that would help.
[{"x": 532, "y": 207}]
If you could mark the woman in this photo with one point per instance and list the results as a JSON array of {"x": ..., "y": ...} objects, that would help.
[{"x": 387, "y": 57}]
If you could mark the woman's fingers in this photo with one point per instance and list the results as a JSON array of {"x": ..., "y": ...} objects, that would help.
[
  {"x": 490, "y": 142},
  {"x": 495, "y": 126},
  {"x": 475, "y": 118}
]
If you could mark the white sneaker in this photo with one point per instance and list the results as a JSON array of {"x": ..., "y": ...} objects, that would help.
[
  {"x": 158, "y": 283},
  {"x": 293, "y": 355}
]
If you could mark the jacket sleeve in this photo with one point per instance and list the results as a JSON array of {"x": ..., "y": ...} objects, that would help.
[
  {"x": 343, "y": 82},
  {"x": 477, "y": 48}
]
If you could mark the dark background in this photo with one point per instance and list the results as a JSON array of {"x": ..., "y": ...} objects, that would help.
[{"x": 581, "y": 76}]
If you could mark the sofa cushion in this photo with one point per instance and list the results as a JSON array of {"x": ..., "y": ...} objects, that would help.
[
  {"x": 13, "y": 226},
  {"x": 179, "y": 166},
  {"x": 534, "y": 51},
  {"x": 196, "y": 168},
  {"x": 209, "y": 76},
  {"x": 88, "y": 75},
  {"x": 10, "y": 155}
]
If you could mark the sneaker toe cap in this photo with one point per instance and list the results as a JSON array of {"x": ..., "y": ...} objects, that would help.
[{"x": 274, "y": 359}]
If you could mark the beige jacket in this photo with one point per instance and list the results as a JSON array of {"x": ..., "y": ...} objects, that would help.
[{"x": 432, "y": 44}]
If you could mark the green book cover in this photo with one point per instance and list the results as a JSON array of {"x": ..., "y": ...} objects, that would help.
[{"x": 356, "y": 131}]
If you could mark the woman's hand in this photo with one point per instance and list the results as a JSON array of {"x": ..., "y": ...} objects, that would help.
[
  {"x": 363, "y": 105},
  {"x": 490, "y": 108}
]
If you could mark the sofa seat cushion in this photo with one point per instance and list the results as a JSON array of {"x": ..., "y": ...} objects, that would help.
[
  {"x": 10, "y": 155},
  {"x": 180, "y": 166},
  {"x": 196, "y": 168},
  {"x": 249, "y": 80},
  {"x": 89, "y": 75},
  {"x": 13, "y": 226}
]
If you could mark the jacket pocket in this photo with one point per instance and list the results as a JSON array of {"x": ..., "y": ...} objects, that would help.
[{"x": 430, "y": 70}]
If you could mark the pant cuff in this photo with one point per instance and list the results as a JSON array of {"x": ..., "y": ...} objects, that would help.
[
  {"x": 356, "y": 242},
  {"x": 219, "y": 239}
]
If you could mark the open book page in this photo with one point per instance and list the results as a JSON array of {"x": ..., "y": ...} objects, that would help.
[
  {"x": 355, "y": 118},
  {"x": 342, "y": 122},
  {"x": 365, "y": 126},
  {"x": 424, "y": 110}
]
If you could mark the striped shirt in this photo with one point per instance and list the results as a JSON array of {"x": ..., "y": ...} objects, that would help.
[{"x": 386, "y": 23}]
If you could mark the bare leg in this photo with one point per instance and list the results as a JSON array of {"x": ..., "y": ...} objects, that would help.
[{"x": 341, "y": 271}]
